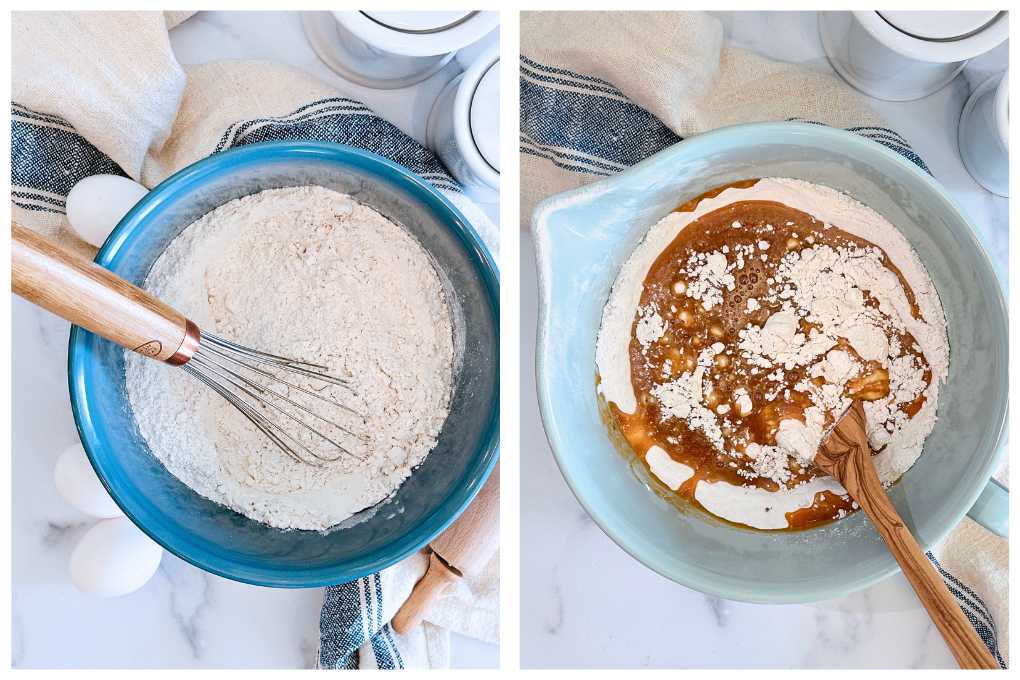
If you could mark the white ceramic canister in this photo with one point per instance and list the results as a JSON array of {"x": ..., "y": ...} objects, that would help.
[
  {"x": 463, "y": 127},
  {"x": 984, "y": 134},
  {"x": 900, "y": 56},
  {"x": 389, "y": 50}
]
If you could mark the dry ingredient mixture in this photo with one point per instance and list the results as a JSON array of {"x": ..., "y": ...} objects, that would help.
[
  {"x": 742, "y": 327},
  {"x": 312, "y": 274}
]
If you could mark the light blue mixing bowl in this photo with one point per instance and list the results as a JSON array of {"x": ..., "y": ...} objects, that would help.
[
  {"x": 583, "y": 237},
  {"x": 222, "y": 541}
]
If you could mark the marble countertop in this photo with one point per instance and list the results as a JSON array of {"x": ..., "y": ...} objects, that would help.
[
  {"x": 586, "y": 603},
  {"x": 183, "y": 617}
]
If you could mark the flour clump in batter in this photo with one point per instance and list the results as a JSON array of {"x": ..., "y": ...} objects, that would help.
[{"x": 309, "y": 273}]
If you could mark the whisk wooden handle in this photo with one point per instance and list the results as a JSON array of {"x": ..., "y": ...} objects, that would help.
[{"x": 92, "y": 297}]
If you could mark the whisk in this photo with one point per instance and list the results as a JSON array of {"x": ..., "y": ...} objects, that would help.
[{"x": 263, "y": 387}]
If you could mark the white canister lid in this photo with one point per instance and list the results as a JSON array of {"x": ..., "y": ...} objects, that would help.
[
  {"x": 418, "y": 22},
  {"x": 484, "y": 116},
  {"x": 1002, "y": 110},
  {"x": 940, "y": 25}
]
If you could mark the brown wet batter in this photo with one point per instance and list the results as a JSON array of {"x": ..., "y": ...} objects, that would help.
[{"x": 691, "y": 328}]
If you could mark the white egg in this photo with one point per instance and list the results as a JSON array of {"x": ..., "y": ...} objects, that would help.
[
  {"x": 114, "y": 558},
  {"x": 97, "y": 203},
  {"x": 78, "y": 484}
]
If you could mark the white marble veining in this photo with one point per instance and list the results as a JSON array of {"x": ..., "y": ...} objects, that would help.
[
  {"x": 586, "y": 603},
  {"x": 183, "y": 617}
]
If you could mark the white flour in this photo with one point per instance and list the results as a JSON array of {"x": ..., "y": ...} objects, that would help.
[
  {"x": 825, "y": 287},
  {"x": 310, "y": 274}
]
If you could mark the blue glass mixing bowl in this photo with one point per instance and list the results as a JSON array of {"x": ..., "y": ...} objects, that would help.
[{"x": 220, "y": 540}]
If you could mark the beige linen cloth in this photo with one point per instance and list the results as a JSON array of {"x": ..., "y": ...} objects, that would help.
[
  {"x": 104, "y": 90},
  {"x": 675, "y": 65}
]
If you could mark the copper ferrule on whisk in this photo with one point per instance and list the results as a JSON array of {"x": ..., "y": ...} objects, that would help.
[{"x": 189, "y": 345}]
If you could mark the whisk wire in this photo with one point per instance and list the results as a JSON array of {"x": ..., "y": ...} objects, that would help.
[
  {"x": 234, "y": 377},
  {"x": 265, "y": 425},
  {"x": 219, "y": 364},
  {"x": 272, "y": 376},
  {"x": 303, "y": 367}
]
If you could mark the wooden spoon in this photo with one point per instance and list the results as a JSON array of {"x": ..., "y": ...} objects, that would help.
[{"x": 846, "y": 455}]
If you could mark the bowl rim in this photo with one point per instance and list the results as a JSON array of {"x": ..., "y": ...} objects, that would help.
[
  {"x": 557, "y": 442},
  {"x": 487, "y": 454}
]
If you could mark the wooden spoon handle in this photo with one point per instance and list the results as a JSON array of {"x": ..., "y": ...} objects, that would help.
[
  {"x": 852, "y": 466},
  {"x": 434, "y": 583},
  {"x": 92, "y": 297}
]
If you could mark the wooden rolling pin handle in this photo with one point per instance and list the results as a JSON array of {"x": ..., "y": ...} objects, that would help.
[
  {"x": 438, "y": 577},
  {"x": 96, "y": 299}
]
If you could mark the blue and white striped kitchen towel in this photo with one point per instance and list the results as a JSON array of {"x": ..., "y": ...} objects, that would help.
[
  {"x": 49, "y": 156},
  {"x": 602, "y": 91},
  {"x": 351, "y": 620},
  {"x": 223, "y": 105}
]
